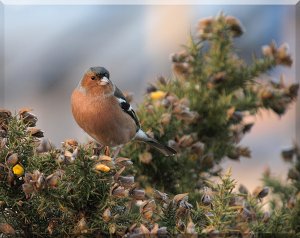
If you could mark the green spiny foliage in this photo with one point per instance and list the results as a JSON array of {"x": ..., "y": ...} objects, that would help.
[
  {"x": 60, "y": 191},
  {"x": 201, "y": 111},
  {"x": 79, "y": 190},
  {"x": 285, "y": 201},
  {"x": 223, "y": 214}
]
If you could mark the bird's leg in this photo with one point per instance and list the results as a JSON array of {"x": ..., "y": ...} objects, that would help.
[
  {"x": 98, "y": 148},
  {"x": 107, "y": 151},
  {"x": 117, "y": 151}
]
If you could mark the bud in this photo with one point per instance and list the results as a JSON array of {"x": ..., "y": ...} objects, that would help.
[
  {"x": 118, "y": 191},
  {"x": 172, "y": 98},
  {"x": 218, "y": 78},
  {"x": 40, "y": 181},
  {"x": 7, "y": 229},
  {"x": 244, "y": 151},
  {"x": 293, "y": 90},
  {"x": 205, "y": 27},
  {"x": 126, "y": 181},
  {"x": 198, "y": 148},
  {"x": 52, "y": 180},
  {"x": 145, "y": 157},
  {"x": 180, "y": 225},
  {"x": 182, "y": 69},
  {"x": 243, "y": 189},
  {"x": 147, "y": 209},
  {"x": 106, "y": 215},
  {"x": 44, "y": 146},
  {"x": 28, "y": 177},
  {"x": 283, "y": 57},
  {"x": 75, "y": 153},
  {"x": 60, "y": 159},
  {"x": 112, "y": 228},
  {"x": 280, "y": 107},
  {"x": 81, "y": 227},
  {"x": 186, "y": 141},
  {"x": 247, "y": 127},
  {"x": 162, "y": 231},
  {"x": 179, "y": 197},
  {"x": 234, "y": 25},
  {"x": 183, "y": 208},
  {"x": 35, "y": 132},
  {"x": 261, "y": 193},
  {"x": 137, "y": 194},
  {"x": 28, "y": 189},
  {"x": 247, "y": 214},
  {"x": 268, "y": 50},
  {"x": 237, "y": 116},
  {"x": 293, "y": 174},
  {"x": 151, "y": 88},
  {"x": 266, "y": 217},
  {"x": 291, "y": 202},
  {"x": 265, "y": 93},
  {"x": 3, "y": 143},
  {"x": 288, "y": 154},
  {"x": 4, "y": 115},
  {"x": 27, "y": 117},
  {"x": 230, "y": 112},
  {"x": 190, "y": 229},
  {"x": 123, "y": 162},
  {"x": 207, "y": 160},
  {"x": 68, "y": 153},
  {"x": 206, "y": 199},
  {"x": 234, "y": 154},
  {"x": 118, "y": 173},
  {"x": 12, "y": 159},
  {"x": 154, "y": 230},
  {"x": 180, "y": 57},
  {"x": 51, "y": 226},
  {"x": 144, "y": 230},
  {"x": 187, "y": 116},
  {"x": 162, "y": 197},
  {"x": 165, "y": 118},
  {"x": 70, "y": 143},
  {"x": 105, "y": 158}
]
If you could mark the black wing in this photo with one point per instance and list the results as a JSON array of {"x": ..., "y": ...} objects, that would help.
[{"x": 126, "y": 107}]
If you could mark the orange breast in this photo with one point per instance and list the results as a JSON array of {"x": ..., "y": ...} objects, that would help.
[{"x": 103, "y": 119}]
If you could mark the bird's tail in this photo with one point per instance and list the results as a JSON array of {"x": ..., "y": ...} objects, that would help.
[{"x": 166, "y": 150}]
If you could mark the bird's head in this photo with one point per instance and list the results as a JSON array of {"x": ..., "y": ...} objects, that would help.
[{"x": 96, "y": 80}]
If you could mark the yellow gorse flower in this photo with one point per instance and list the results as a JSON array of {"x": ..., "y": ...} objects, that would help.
[
  {"x": 18, "y": 170},
  {"x": 157, "y": 95},
  {"x": 102, "y": 167}
]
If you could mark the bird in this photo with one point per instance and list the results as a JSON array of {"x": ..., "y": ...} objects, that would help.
[{"x": 100, "y": 108}]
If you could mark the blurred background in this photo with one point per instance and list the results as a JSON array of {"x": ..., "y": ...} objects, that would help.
[{"x": 48, "y": 48}]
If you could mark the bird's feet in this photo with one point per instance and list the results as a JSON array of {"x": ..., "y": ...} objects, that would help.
[
  {"x": 117, "y": 151},
  {"x": 98, "y": 148}
]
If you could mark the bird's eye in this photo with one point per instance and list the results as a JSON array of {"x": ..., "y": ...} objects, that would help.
[{"x": 93, "y": 77}]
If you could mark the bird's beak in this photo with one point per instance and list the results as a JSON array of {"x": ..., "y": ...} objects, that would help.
[{"x": 104, "y": 81}]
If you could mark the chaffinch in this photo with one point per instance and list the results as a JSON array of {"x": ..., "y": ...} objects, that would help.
[{"x": 101, "y": 110}]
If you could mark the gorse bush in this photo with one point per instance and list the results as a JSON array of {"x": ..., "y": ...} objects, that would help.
[
  {"x": 79, "y": 190},
  {"x": 201, "y": 112}
]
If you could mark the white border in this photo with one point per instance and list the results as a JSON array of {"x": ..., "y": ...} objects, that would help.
[{"x": 149, "y": 2}]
